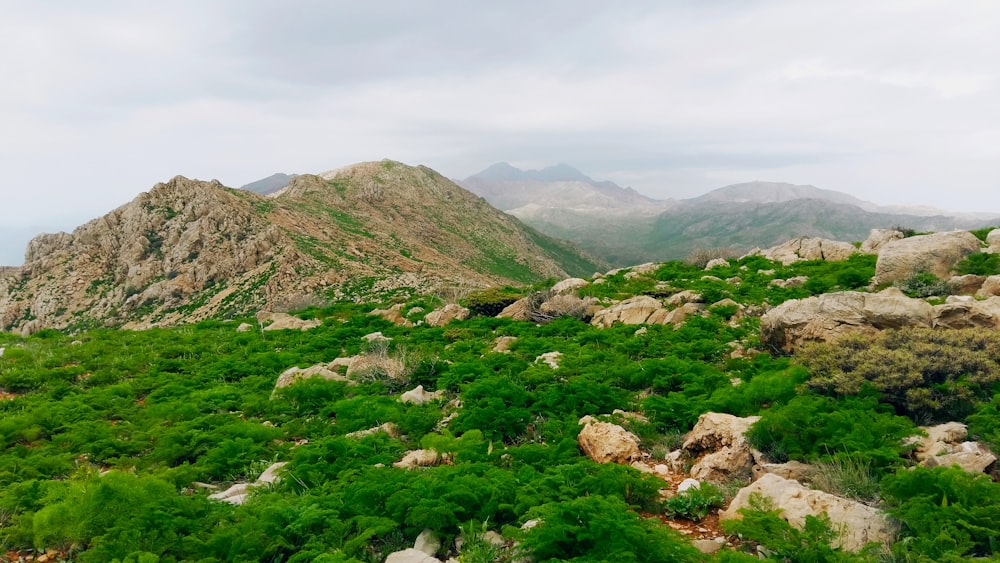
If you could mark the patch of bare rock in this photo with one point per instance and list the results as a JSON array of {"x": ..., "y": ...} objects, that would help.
[
  {"x": 807, "y": 248},
  {"x": 859, "y": 523}
]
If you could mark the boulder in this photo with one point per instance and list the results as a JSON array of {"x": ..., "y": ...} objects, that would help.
[
  {"x": 284, "y": 321},
  {"x": 794, "y": 470},
  {"x": 632, "y": 311},
  {"x": 418, "y": 396},
  {"x": 295, "y": 374},
  {"x": 993, "y": 240},
  {"x": 809, "y": 248},
  {"x": 968, "y": 284},
  {"x": 375, "y": 337},
  {"x": 716, "y": 263},
  {"x": 446, "y": 314},
  {"x": 389, "y": 428},
  {"x": 393, "y": 314},
  {"x": 718, "y": 443},
  {"x": 797, "y": 281},
  {"x": 502, "y": 344},
  {"x": 550, "y": 359},
  {"x": 420, "y": 458},
  {"x": 568, "y": 285},
  {"x": 519, "y": 310},
  {"x": 683, "y": 297},
  {"x": 859, "y": 524},
  {"x": 427, "y": 542},
  {"x": 990, "y": 287},
  {"x": 877, "y": 238},
  {"x": 677, "y": 316},
  {"x": 935, "y": 253},
  {"x": 604, "y": 442},
  {"x": 967, "y": 314},
  {"x": 244, "y": 327},
  {"x": 238, "y": 493},
  {"x": 569, "y": 306},
  {"x": 827, "y": 316}
]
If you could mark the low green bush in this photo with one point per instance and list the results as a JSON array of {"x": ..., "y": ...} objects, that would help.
[
  {"x": 980, "y": 264},
  {"x": 695, "y": 503}
]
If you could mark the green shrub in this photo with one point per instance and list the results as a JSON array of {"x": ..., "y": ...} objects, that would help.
[
  {"x": 847, "y": 476},
  {"x": 925, "y": 284},
  {"x": 810, "y": 427},
  {"x": 980, "y": 264},
  {"x": 600, "y": 528},
  {"x": 944, "y": 513},
  {"x": 932, "y": 375},
  {"x": 695, "y": 503},
  {"x": 981, "y": 234}
]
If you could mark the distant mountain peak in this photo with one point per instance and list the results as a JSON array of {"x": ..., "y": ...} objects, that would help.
[
  {"x": 759, "y": 192},
  {"x": 271, "y": 184}
]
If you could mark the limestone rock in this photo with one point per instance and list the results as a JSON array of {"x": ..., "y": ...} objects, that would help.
[
  {"x": 393, "y": 314},
  {"x": 295, "y": 374},
  {"x": 550, "y": 359},
  {"x": 677, "y": 316},
  {"x": 861, "y": 524},
  {"x": 708, "y": 547},
  {"x": 375, "y": 337},
  {"x": 568, "y": 285},
  {"x": 877, "y": 238},
  {"x": 244, "y": 327},
  {"x": 794, "y": 470},
  {"x": 284, "y": 321},
  {"x": 968, "y": 284},
  {"x": 827, "y": 316},
  {"x": 719, "y": 439},
  {"x": 993, "y": 239},
  {"x": 519, "y": 310},
  {"x": 633, "y": 311},
  {"x": 991, "y": 285},
  {"x": 716, "y": 262},
  {"x": 238, "y": 493},
  {"x": 797, "y": 281},
  {"x": 967, "y": 314},
  {"x": 935, "y": 253},
  {"x": 945, "y": 445},
  {"x": 683, "y": 297},
  {"x": 420, "y": 458},
  {"x": 502, "y": 344},
  {"x": 687, "y": 484},
  {"x": 569, "y": 306},
  {"x": 418, "y": 396},
  {"x": 389, "y": 428},
  {"x": 446, "y": 314},
  {"x": 604, "y": 442},
  {"x": 427, "y": 542},
  {"x": 808, "y": 248}
]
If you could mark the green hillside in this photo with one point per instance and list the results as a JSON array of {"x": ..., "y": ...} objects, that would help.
[{"x": 113, "y": 440}]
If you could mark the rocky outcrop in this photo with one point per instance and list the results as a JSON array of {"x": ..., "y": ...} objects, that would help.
[
  {"x": 446, "y": 314},
  {"x": 991, "y": 285},
  {"x": 993, "y": 240},
  {"x": 859, "y": 524},
  {"x": 718, "y": 444},
  {"x": 935, "y": 253},
  {"x": 604, "y": 442},
  {"x": 946, "y": 445},
  {"x": 808, "y": 248},
  {"x": 825, "y": 317},
  {"x": 633, "y": 311}
]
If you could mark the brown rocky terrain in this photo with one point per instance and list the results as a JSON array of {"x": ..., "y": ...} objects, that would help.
[{"x": 188, "y": 250}]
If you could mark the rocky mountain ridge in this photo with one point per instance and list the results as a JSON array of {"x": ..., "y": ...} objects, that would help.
[{"x": 187, "y": 250}]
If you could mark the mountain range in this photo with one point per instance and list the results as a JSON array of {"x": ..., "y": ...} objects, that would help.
[{"x": 624, "y": 227}]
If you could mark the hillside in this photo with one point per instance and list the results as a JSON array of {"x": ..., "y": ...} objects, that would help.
[
  {"x": 633, "y": 421},
  {"x": 188, "y": 250}
]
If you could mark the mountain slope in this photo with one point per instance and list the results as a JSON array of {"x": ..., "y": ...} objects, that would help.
[
  {"x": 775, "y": 192},
  {"x": 188, "y": 250}
]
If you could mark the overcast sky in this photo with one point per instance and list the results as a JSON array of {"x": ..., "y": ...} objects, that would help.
[{"x": 896, "y": 102}]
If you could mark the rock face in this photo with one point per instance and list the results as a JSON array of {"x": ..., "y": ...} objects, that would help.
[
  {"x": 718, "y": 442},
  {"x": 825, "y": 317},
  {"x": 935, "y": 253},
  {"x": 861, "y": 524},
  {"x": 991, "y": 285},
  {"x": 807, "y": 248},
  {"x": 188, "y": 250},
  {"x": 604, "y": 442}
]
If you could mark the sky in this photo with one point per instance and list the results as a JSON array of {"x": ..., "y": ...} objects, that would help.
[{"x": 893, "y": 101}]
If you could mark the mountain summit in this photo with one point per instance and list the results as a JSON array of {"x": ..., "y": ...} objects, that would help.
[{"x": 187, "y": 250}]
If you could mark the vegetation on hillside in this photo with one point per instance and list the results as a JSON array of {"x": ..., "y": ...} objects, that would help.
[{"x": 110, "y": 441}]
